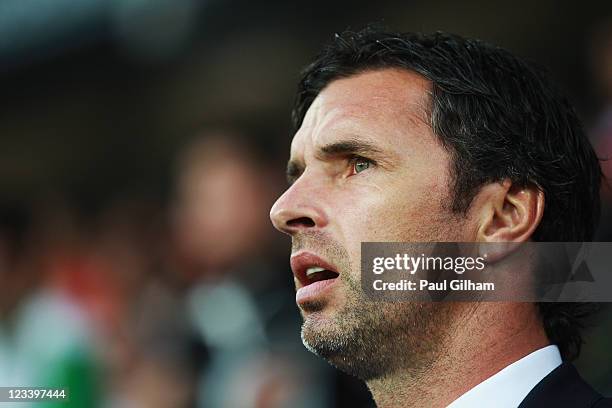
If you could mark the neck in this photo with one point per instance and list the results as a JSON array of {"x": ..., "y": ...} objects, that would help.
[{"x": 467, "y": 356}]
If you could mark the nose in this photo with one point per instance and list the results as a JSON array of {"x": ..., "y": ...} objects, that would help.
[{"x": 297, "y": 211}]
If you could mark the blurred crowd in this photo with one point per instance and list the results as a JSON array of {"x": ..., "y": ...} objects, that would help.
[{"x": 147, "y": 305}]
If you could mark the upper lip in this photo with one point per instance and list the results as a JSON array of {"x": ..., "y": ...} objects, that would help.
[{"x": 301, "y": 261}]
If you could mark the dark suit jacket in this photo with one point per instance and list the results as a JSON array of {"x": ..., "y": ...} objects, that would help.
[{"x": 564, "y": 388}]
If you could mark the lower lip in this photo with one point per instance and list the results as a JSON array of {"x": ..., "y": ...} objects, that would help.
[{"x": 313, "y": 290}]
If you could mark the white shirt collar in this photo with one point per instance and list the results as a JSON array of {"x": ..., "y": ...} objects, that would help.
[{"x": 510, "y": 386}]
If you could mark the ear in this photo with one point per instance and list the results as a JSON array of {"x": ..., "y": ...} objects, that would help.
[{"x": 507, "y": 213}]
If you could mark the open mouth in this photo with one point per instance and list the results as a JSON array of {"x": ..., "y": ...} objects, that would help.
[
  {"x": 309, "y": 268},
  {"x": 316, "y": 274}
]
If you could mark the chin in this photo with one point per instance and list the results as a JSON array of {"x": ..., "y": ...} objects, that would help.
[
  {"x": 342, "y": 350},
  {"x": 321, "y": 336}
]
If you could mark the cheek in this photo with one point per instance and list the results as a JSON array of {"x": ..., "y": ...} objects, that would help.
[{"x": 406, "y": 210}]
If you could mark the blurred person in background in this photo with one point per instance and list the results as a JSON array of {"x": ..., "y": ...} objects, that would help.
[
  {"x": 601, "y": 63},
  {"x": 234, "y": 300},
  {"x": 147, "y": 347},
  {"x": 596, "y": 359},
  {"x": 46, "y": 338}
]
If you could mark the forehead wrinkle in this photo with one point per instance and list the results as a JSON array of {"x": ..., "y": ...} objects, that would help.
[
  {"x": 333, "y": 119},
  {"x": 407, "y": 109},
  {"x": 318, "y": 127},
  {"x": 348, "y": 124},
  {"x": 335, "y": 110}
]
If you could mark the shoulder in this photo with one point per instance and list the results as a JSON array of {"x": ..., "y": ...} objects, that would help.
[{"x": 565, "y": 388}]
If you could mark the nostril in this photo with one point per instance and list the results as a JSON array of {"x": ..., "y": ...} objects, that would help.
[{"x": 301, "y": 222}]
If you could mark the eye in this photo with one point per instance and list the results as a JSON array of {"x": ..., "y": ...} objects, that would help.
[{"x": 360, "y": 164}]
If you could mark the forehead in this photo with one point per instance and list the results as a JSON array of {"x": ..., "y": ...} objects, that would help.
[{"x": 384, "y": 105}]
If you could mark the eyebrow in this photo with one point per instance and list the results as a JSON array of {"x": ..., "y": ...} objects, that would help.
[
  {"x": 349, "y": 147},
  {"x": 343, "y": 148}
]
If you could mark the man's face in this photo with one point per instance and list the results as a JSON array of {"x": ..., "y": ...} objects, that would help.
[{"x": 365, "y": 167}]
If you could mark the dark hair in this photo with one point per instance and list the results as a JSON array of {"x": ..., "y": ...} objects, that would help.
[{"x": 500, "y": 117}]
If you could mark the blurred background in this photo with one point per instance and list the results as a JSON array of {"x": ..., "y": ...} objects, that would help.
[{"x": 142, "y": 143}]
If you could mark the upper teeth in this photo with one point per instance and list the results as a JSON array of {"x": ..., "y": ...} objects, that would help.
[{"x": 313, "y": 269}]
